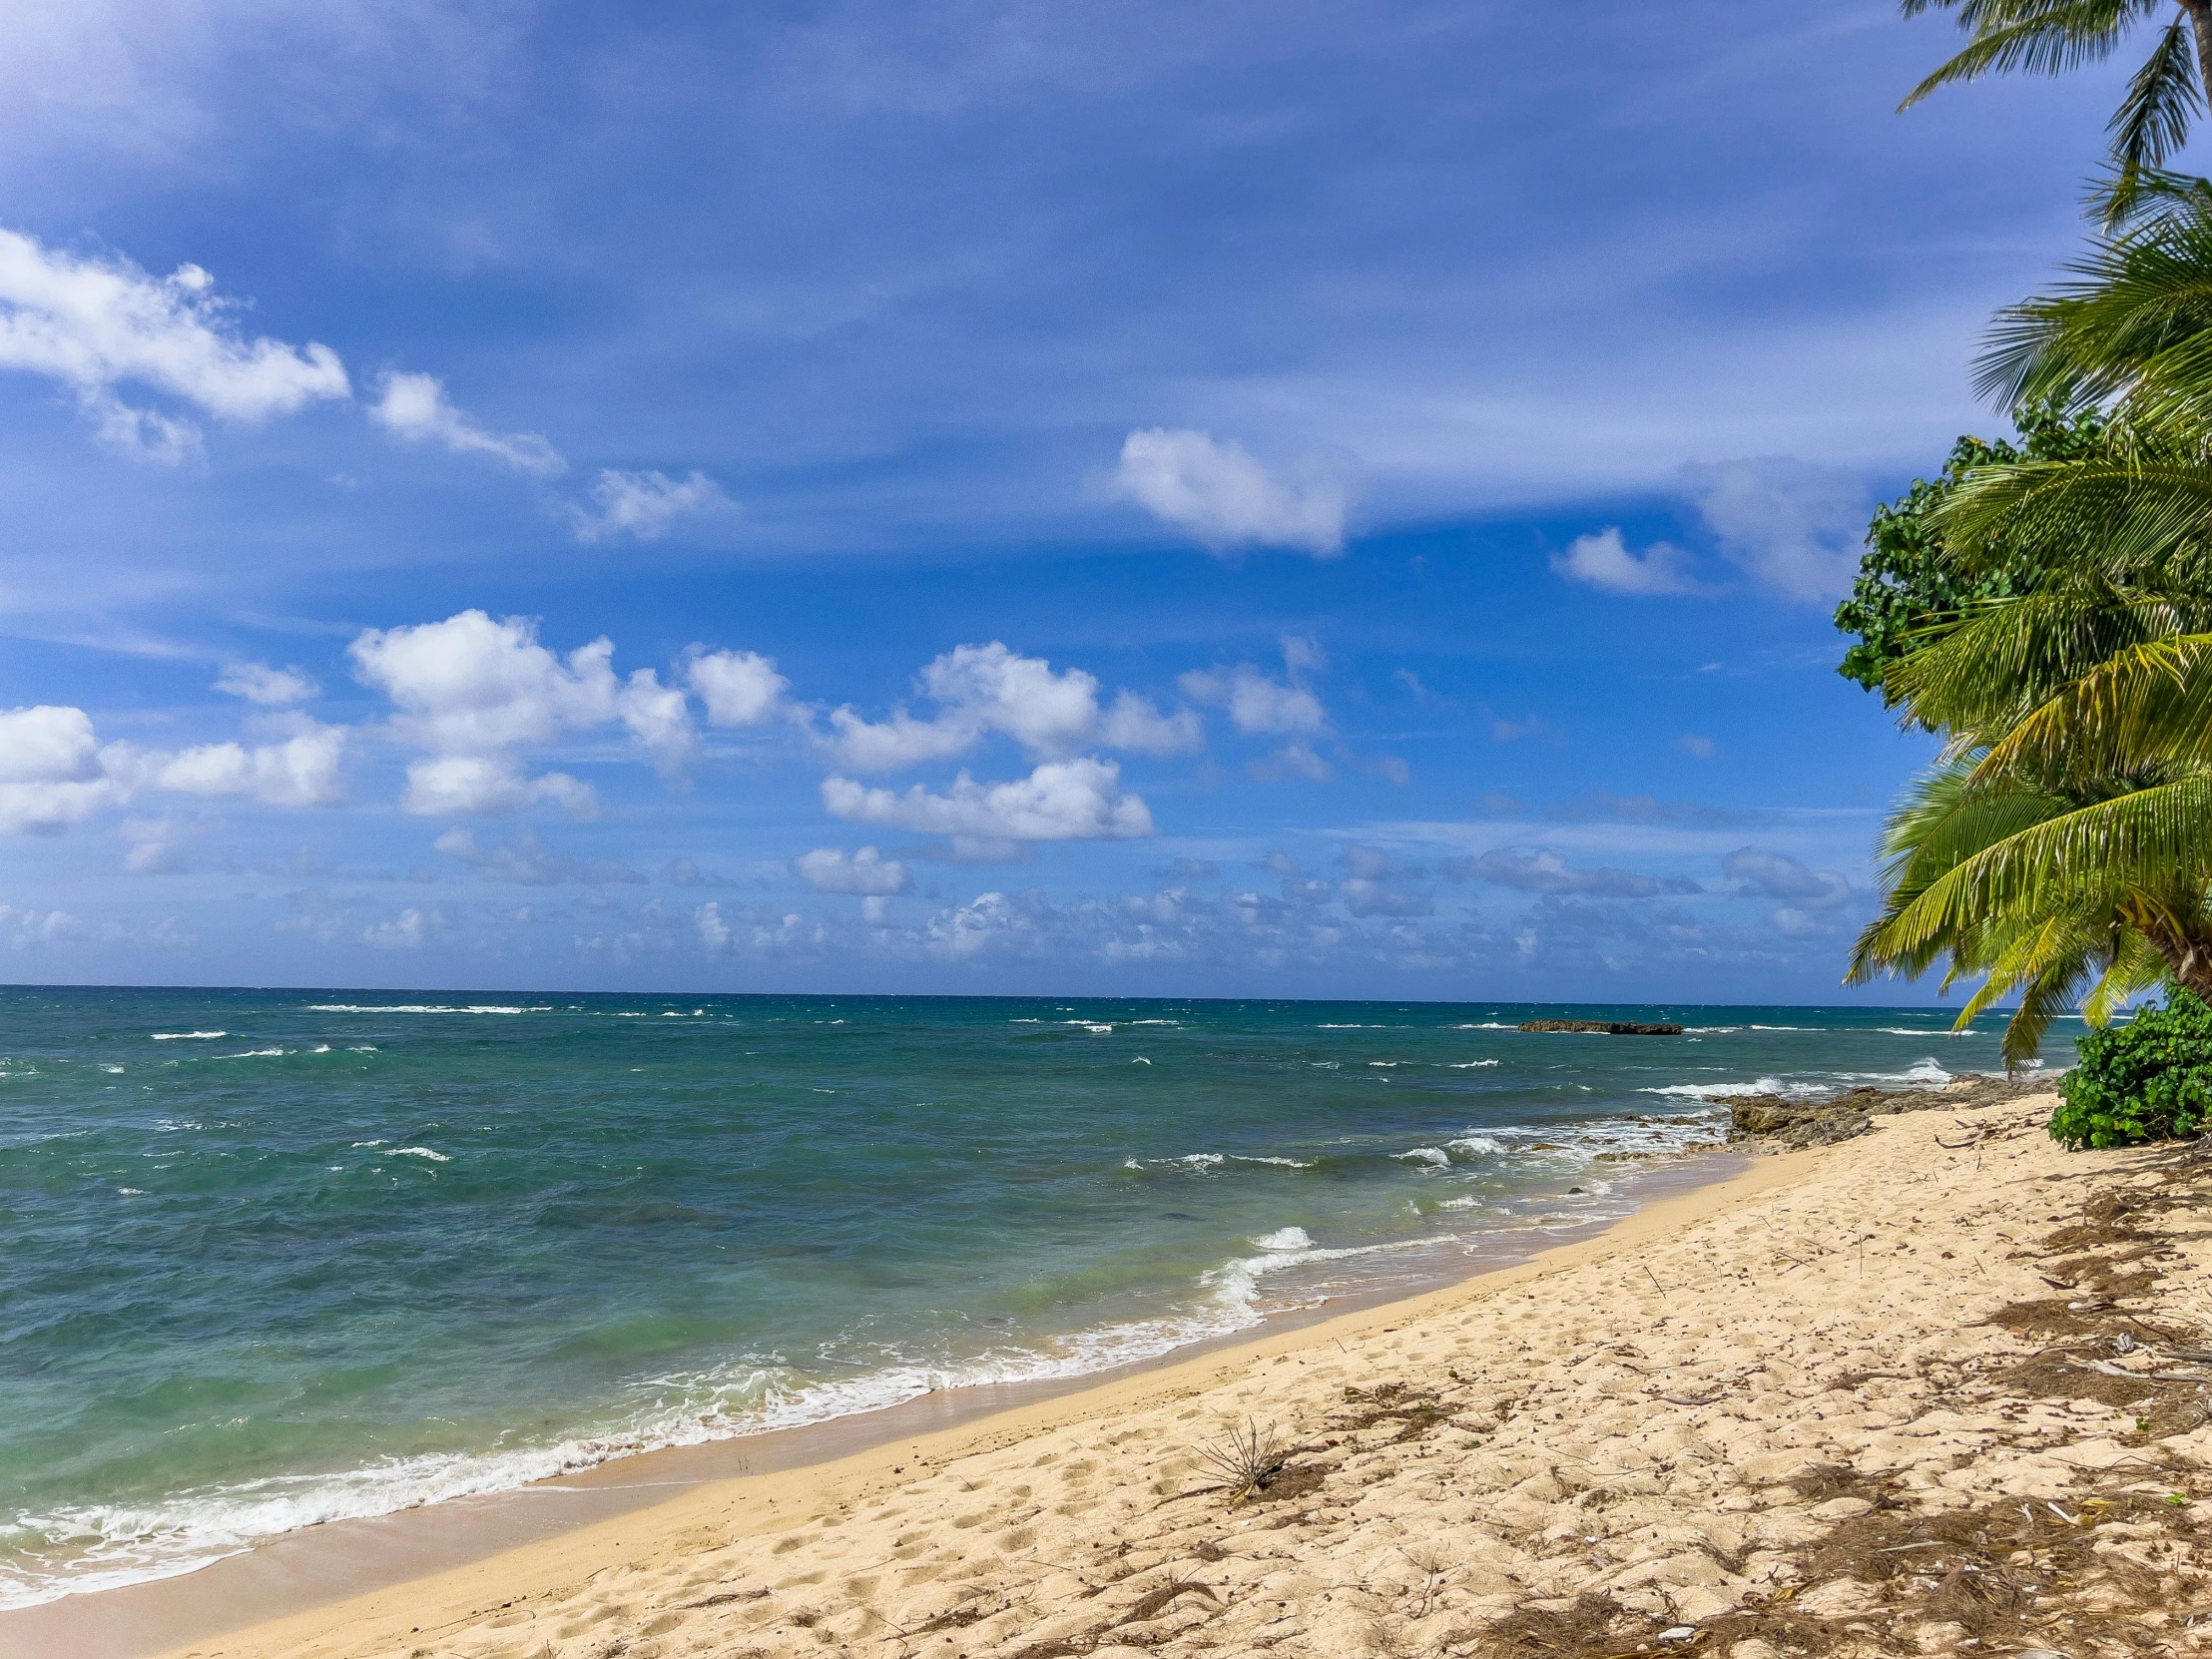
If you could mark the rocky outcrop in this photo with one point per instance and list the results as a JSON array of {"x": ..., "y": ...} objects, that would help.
[
  {"x": 1601, "y": 1027},
  {"x": 1775, "y": 1123}
]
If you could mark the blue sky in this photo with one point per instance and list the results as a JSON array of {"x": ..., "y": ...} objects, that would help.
[{"x": 1204, "y": 500}]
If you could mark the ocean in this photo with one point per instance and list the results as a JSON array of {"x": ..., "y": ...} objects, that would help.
[{"x": 276, "y": 1258}]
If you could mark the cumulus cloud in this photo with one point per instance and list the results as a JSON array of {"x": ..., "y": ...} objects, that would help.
[
  {"x": 832, "y": 869},
  {"x": 481, "y": 786},
  {"x": 643, "y": 505},
  {"x": 1793, "y": 527},
  {"x": 271, "y": 688},
  {"x": 1604, "y": 561},
  {"x": 1077, "y": 800},
  {"x": 1259, "y": 704},
  {"x": 414, "y": 408},
  {"x": 405, "y": 931},
  {"x": 472, "y": 689},
  {"x": 1222, "y": 498},
  {"x": 96, "y": 324},
  {"x": 984, "y": 689},
  {"x": 54, "y": 771},
  {"x": 303, "y": 770},
  {"x": 1542, "y": 870},
  {"x": 526, "y": 862},
  {"x": 1778, "y": 875},
  {"x": 739, "y": 687}
]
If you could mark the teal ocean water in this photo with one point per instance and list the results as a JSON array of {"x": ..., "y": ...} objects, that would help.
[{"x": 273, "y": 1258}]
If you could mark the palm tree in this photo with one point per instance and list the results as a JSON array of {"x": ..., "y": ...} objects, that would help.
[
  {"x": 2048, "y": 37},
  {"x": 2066, "y": 844}
]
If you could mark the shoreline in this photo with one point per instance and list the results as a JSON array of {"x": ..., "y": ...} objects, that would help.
[
  {"x": 310, "y": 1572},
  {"x": 1937, "y": 1388}
]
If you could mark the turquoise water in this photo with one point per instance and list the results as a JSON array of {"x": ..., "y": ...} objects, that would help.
[{"x": 280, "y": 1257}]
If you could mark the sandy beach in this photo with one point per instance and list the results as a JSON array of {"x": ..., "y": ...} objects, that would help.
[{"x": 1935, "y": 1388}]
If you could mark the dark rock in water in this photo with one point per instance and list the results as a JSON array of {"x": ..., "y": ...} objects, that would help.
[{"x": 1601, "y": 1027}]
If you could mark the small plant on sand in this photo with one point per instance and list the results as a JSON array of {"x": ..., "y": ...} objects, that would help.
[
  {"x": 1247, "y": 1457},
  {"x": 2147, "y": 1080}
]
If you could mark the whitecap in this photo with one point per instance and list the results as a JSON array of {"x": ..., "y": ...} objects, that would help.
[
  {"x": 251, "y": 1054},
  {"x": 188, "y": 1036},
  {"x": 1285, "y": 1238},
  {"x": 1434, "y": 1156},
  {"x": 1469, "y": 1065},
  {"x": 1279, "y": 1162},
  {"x": 418, "y": 1152},
  {"x": 1477, "y": 1145}
]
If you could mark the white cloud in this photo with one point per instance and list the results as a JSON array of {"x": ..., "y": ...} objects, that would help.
[
  {"x": 52, "y": 771},
  {"x": 271, "y": 688},
  {"x": 1604, "y": 561},
  {"x": 95, "y": 324},
  {"x": 466, "y": 786},
  {"x": 1794, "y": 528},
  {"x": 986, "y": 689},
  {"x": 1543, "y": 871},
  {"x": 469, "y": 684},
  {"x": 1060, "y": 801},
  {"x": 832, "y": 869},
  {"x": 714, "y": 932},
  {"x": 1778, "y": 875},
  {"x": 525, "y": 861},
  {"x": 405, "y": 931},
  {"x": 1222, "y": 498},
  {"x": 1259, "y": 704},
  {"x": 414, "y": 407},
  {"x": 643, "y": 505},
  {"x": 658, "y": 718},
  {"x": 305, "y": 770},
  {"x": 739, "y": 687}
]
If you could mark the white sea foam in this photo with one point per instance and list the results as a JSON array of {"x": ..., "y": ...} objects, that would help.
[
  {"x": 1760, "y": 1085},
  {"x": 1285, "y": 1238},
  {"x": 416, "y": 1008},
  {"x": 188, "y": 1036},
  {"x": 1434, "y": 1156},
  {"x": 1155, "y": 1022},
  {"x": 1484, "y": 1026},
  {"x": 1469, "y": 1065},
  {"x": 113, "y": 1071},
  {"x": 251, "y": 1054},
  {"x": 1279, "y": 1163},
  {"x": 1094, "y": 1027},
  {"x": 418, "y": 1152},
  {"x": 1386, "y": 1063},
  {"x": 1478, "y": 1146}
]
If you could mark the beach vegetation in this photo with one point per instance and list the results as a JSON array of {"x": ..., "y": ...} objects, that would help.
[
  {"x": 1247, "y": 1457},
  {"x": 1907, "y": 587},
  {"x": 2147, "y": 1080},
  {"x": 2062, "y": 849}
]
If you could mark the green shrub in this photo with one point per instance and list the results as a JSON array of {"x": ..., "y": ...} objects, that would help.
[{"x": 2147, "y": 1080}]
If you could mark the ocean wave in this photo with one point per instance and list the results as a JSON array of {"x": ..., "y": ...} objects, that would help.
[
  {"x": 1261, "y": 1158},
  {"x": 1919, "y": 1031},
  {"x": 1716, "y": 1091},
  {"x": 188, "y": 1036},
  {"x": 1436, "y": 1157},
  {"x": 253, "y": 1054},
  {"x": 1285, "y": 1238},
  {"x": 1469, "y": 1065},
  {"x": 1476, "y": 1146},
  {"x": 1484, "y": 1026},
  {"x": 422, "y": 1008},
  {"x": 418, "y": 1152}
]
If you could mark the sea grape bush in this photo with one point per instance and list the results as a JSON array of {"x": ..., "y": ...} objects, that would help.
[{"x": 2147, "y": 1080}]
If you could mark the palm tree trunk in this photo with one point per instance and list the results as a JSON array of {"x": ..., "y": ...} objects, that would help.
[
  {"x": 2190, "y": 958},
  {"x": 2200, "y": 25}
]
